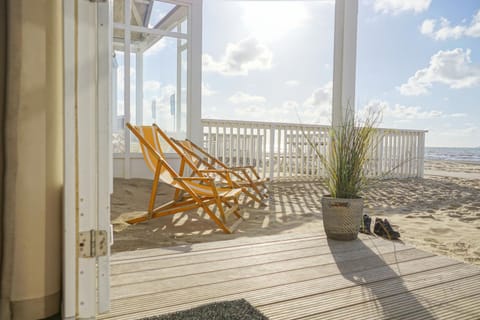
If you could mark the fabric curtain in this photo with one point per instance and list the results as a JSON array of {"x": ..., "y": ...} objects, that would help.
[{"x": 31, "y": 157}]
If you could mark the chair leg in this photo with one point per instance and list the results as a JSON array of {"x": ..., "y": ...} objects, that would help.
[
  {"x": 220, "y": 209},
  {"x": 253, "y": 184},
  {"x": 215, "y": 219},
  {"x": 178, "y": 195},
  {"x": 253, "y": 196},
  {"x": 153, "y": 195},
  {"x": 236, "y": 212}
]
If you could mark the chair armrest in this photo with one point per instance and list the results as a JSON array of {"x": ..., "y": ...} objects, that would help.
[
  {"x": 193, "y": 178},
  {"x": 223, "y": 174}
]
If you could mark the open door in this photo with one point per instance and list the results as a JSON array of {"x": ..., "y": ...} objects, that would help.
[{"x": 87, "y": 160}]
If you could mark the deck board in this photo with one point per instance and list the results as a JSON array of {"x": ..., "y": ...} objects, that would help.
[{"x": 296, "y": 276}]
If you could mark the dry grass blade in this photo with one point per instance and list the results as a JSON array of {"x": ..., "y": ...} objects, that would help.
[{"x": 349, "y": 150}]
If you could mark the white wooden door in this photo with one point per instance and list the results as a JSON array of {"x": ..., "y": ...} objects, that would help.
[{"x": 87, "y": 235}]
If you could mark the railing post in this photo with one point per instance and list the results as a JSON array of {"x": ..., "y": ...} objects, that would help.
[
  {"x": 421, "y": 154},
  {"x": 272, "y": 152},
  {"x": 380, "y": 142}
]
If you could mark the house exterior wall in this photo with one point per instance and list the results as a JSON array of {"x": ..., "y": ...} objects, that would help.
[{"x": 31, "y": 275}]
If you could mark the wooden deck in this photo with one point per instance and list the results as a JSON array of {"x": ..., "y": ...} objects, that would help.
[{"x": 295, "y": 276}]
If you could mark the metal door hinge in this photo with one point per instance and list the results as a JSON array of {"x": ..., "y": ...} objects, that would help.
[{"x": 93, "y": 243}]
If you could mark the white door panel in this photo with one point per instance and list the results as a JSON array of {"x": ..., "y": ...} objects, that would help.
[{"x": 87, "y": 157}]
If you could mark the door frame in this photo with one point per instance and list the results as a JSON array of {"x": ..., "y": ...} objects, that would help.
[{"x": 87, "y": 152}]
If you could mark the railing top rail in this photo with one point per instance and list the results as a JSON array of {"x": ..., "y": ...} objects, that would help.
[
  {"x": 296, "y": 125},
  {"x": 402, "y": 130},
  {"x": 263, "y": 123}
]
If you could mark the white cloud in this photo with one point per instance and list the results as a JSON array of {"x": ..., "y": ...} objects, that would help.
[
  {"x": 317, "y": 108},
  {"x": 253, "y": 112},
  {"x": 321, "y": 96},
  {"x": 460, "y": 135},
  {"x": 207, "y": 91},
  {"x": 240, "y": 58},
  {"x": 271, "y": 20},
  {"x": 458, "y": 115},
  {"x": 242, "y": 97},
  {"x": 398, "y": 6},
  {"x": 151, "y": 85},
  {"x": 285, "y": 113},
  {"x": 292, "y": 83},
  {"x": 443, "y": 30},
  {"x": 400, "y": 112},
  {"x": 474, "y": 28},
  {"x": 427, "y": 26},
  {"x": 453, "y": 68}
]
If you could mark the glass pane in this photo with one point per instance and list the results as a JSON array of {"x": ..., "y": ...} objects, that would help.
[
  {"x": 165, "y": 87},
  {"x": 160, "y": 84},
  {"x": 158, "y": 71},
  {"x": 159, "y": 11},
  {"x": 118, "y": 107},
  {"x": 184, "y": 26},
  {"x": 168, "y": 17}
]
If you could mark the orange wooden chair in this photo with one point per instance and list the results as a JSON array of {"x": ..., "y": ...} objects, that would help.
[
  {"x": 244, "y": 176},
  {"x": 194, "y": 191}
]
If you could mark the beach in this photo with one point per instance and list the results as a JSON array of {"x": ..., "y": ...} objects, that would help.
[{"x": 439, "y": 213}]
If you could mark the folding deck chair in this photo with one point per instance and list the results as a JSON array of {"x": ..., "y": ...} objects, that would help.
[
  {"x": 195, "y": 191},
  {"x": 245, "y": 176}
]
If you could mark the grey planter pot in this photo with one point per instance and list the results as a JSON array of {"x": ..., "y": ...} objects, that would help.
[{"x": 342, "y": 217}]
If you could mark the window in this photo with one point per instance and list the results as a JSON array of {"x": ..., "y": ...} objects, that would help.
[{"x": 150, "y": 69}]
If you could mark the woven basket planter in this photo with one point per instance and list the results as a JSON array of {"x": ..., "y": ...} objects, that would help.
[{"x": 342, "y": 217}]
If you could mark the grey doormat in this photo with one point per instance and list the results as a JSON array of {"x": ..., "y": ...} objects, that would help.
[{"x": 225, "y": 310}]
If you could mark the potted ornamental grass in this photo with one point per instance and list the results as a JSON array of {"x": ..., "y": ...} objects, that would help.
[{"x": 350, "y": 147}]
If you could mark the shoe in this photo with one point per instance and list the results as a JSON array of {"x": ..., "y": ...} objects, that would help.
[
  {"x": 365, "y": 224},
  {"x": 394, "y": 235},
  {"x": 379, "y": 228},
  {"x": 385, "y": 230}
]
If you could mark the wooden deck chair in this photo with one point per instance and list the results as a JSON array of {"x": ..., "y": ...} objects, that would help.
[
  {"x": 244, "y": 176},
  {"x": 224, "y": 176},
  {"x": 199, "y": 190}
]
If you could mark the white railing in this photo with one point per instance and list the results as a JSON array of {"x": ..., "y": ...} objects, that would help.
[{"x": 280, "y": 150}]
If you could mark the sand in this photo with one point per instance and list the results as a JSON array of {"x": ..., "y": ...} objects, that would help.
[{"x": 439, "y": 213}]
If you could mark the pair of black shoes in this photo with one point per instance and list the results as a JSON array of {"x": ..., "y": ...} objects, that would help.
[{"x": 383, "y": 228}]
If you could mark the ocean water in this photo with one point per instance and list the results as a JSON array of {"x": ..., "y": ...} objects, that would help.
[{"x": 453, "y": 154}]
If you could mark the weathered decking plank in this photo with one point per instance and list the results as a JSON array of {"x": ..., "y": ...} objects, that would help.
[
  {"x": 210, "y": 255},
  {"x": 122, "y": 257},
  {"x": 282, "y": 284},
  {"x": 296, "y": 277},
  {"x": 203, "y": 265},
  {"x": 420, "y": 302},
  {"x": 326, "y": 264},
  {"x": 392, "y": 297}
]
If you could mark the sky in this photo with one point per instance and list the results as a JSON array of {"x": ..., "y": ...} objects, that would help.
[{"x": 417, "y": 60}]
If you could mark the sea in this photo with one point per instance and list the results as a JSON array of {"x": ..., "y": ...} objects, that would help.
[{"x": 453, "y": 154}]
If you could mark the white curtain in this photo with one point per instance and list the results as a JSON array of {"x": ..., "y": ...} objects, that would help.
[{"x": 32, "y": 153}]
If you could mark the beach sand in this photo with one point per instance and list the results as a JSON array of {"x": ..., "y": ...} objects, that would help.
[{"x": 439, "y": 213}]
